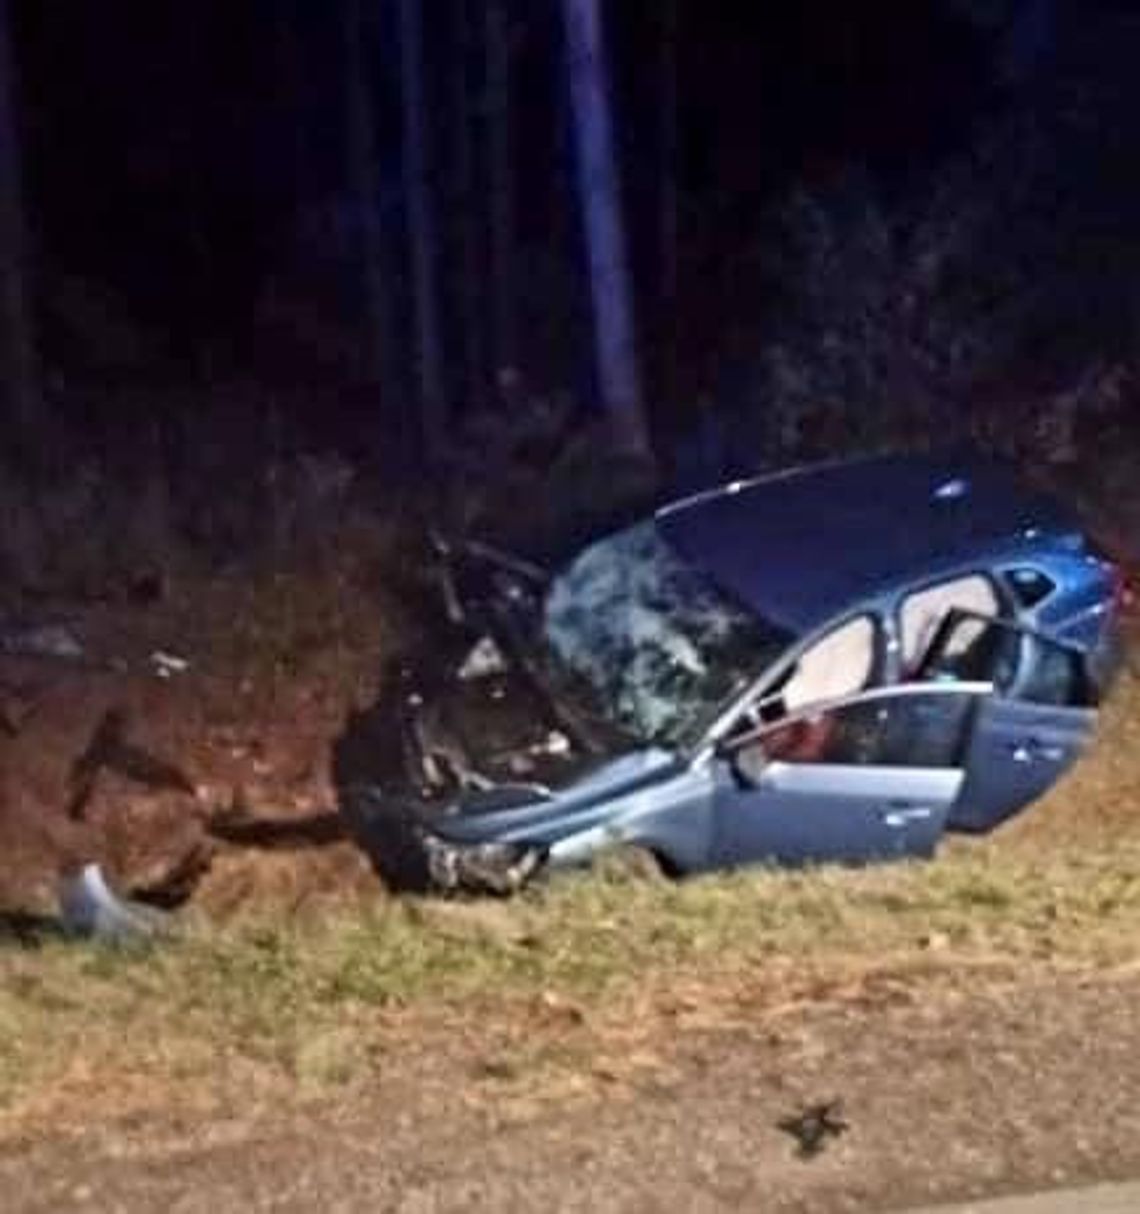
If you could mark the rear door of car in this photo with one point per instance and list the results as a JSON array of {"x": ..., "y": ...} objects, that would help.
[
  {"x": 1030, "y": 730},
  {"x": 869, "y": 777}
]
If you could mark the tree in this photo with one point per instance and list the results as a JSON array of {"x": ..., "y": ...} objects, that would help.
[
  {"x": 669, "y": 233},
  {"x": 17, "y": 344},
  {"x": 1025, "y": 33},
  {"x": 365, "y": 184},
  {"x": 463, "y": 199},
  {"x": 422, "y": 231},
  {"x": 600, "y": 200},
  {"x": 496, "y": 44}
]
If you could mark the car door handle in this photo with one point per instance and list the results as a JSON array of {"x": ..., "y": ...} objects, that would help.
[
  {"x": 899, "y": 814},
  {"x": 1033, "y": 751}
]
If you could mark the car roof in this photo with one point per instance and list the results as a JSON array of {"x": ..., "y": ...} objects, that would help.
[{"x": 801, "y": 547}]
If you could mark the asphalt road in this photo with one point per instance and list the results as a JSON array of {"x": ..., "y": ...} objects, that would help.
[{"x": 1099, "y": 1199}]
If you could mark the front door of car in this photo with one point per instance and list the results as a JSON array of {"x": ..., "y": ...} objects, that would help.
[
  {"x": 1030, "y": 730},
  {"x": 870, "y": 777}
]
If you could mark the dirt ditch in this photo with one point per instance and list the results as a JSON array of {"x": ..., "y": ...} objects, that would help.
[{"x": 216, "y": 707}]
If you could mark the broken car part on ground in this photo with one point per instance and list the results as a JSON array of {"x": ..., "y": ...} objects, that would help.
[{"x": 833, "y": 664}]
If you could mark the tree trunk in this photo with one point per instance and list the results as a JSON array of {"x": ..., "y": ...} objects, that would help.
[
  {"x": 364, "y": 177},
  {"x": 471, "y": 316},
  {"x": 496, "y": 49},
  {"x": 1030, "y": 40},
  {"x": 615, "y": 343},
  {"x": 17, "y": 343},
  {"x": 669, "y": 234},
  {"x": 293, "y": 81},
  {"x": 422, "y": 232}
]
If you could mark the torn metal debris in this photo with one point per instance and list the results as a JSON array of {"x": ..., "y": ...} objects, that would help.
[{"x": 90, "y": 908}]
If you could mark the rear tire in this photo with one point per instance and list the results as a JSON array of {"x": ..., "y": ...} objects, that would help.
[{"x": 630, "y": 862}]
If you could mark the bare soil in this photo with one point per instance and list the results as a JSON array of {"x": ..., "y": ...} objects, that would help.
[{"x": 273, "y": 667}]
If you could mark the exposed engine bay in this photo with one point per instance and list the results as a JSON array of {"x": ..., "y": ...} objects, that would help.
[{"x": 465, "y": 726}]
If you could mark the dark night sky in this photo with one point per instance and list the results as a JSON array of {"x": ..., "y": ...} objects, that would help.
[
  {"x": 171, "y": 147},
  {"x": 153, "y": 125}
]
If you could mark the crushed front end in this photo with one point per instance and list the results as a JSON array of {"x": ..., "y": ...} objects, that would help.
[{"x": 463, "y": 729}]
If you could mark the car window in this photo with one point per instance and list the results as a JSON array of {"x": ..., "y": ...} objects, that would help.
[
  {"x": 915, "y": 729},
  {"x": 974, "y": 650},
  {"x": 839, "y": 665},
  {"x": 1020, "y": 664},
  {"x": 1054, "y": 675},
  {"x": 1030, "y": 586},
  {"x": 633, "y": 633},
  {"x": 923, "y": 611}
]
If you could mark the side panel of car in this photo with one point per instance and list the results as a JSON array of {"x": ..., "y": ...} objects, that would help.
[
  {"x": 1018, "y": 753},
  {"x": 871, "y": 777},
  {"x": 673, "y": 820},
  {"x": 807, "y": 815},
  {"x": 1031, "y": 729}
]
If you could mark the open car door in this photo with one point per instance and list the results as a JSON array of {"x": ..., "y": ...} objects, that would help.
[
  {"x": 869, "y": 777},
  {"x": 1030, "y": 730}
]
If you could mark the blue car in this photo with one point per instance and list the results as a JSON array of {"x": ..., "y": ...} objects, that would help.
[{"x": 832, "y": 664}]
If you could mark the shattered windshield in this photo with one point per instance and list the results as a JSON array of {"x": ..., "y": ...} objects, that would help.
[{"x": 659, "y": 647}]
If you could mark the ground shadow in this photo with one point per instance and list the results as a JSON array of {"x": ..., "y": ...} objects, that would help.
[
  {"x": 25, "y": 929},
  {"x": 321, "y": 829}
]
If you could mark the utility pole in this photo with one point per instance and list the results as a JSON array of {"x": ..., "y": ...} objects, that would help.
[{"x": 600, "y": 201}]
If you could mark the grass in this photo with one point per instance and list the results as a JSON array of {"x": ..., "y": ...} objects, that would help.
[
  {"x": 271, "y": 1008},
  {"x": 312, "y": 1006}
]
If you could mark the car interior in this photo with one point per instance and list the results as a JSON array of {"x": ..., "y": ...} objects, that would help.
[{"x": 949, "y": 631}]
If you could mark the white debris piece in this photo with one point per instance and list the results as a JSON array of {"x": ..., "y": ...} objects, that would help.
[
  {"x": 88, "y": 907},
  {"x": 168, "y": 664}
]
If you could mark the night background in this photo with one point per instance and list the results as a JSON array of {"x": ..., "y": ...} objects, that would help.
[
  {"x": 845, "y": 228},
  {"x": 296, "y": 293}
]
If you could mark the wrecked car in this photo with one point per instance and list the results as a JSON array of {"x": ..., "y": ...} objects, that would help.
[{"x": 835, "y": 664}]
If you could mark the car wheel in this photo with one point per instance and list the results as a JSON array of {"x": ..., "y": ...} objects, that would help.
[{"x": 627, "y": 862}]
